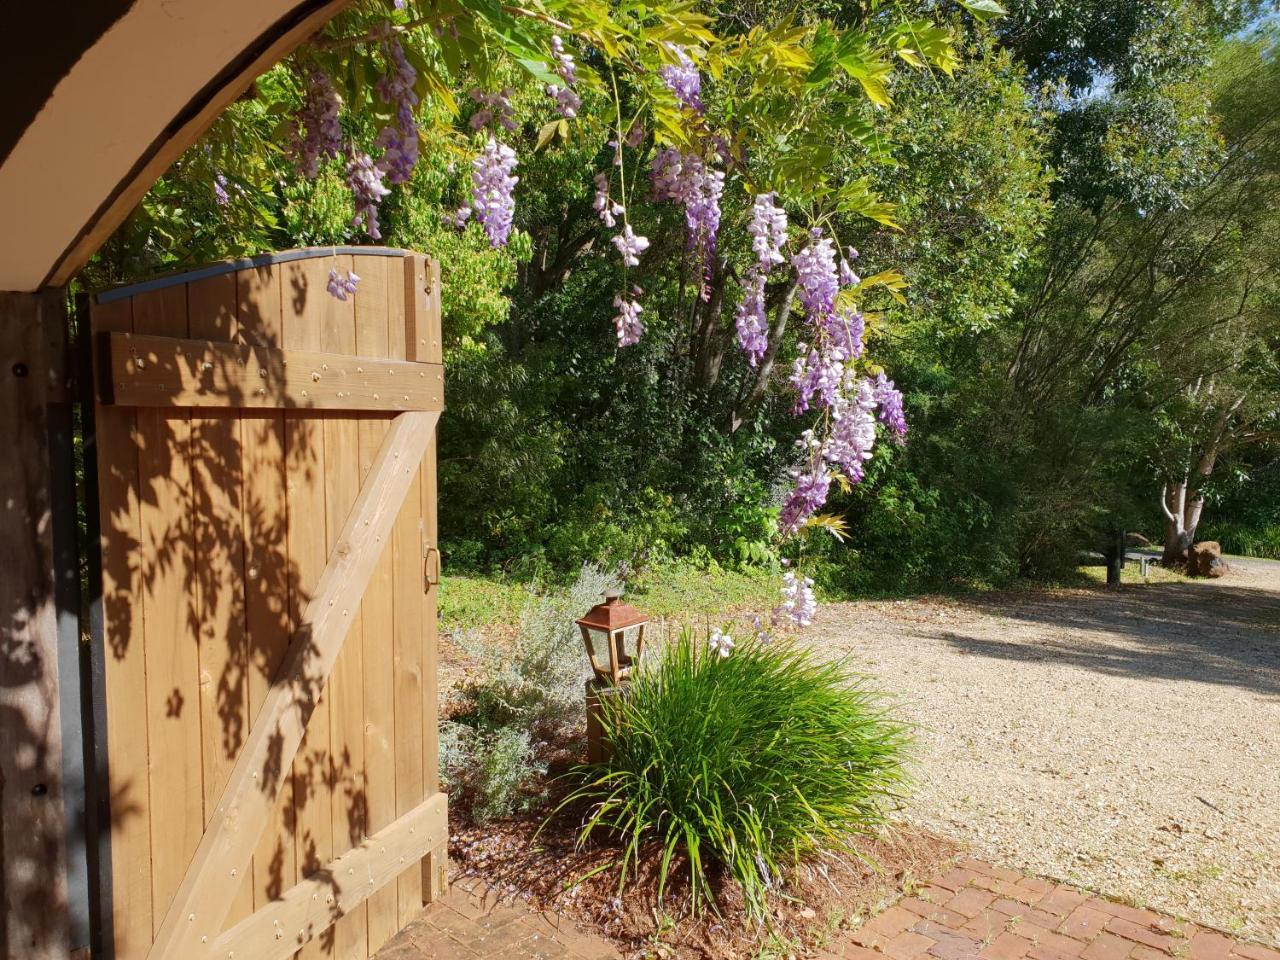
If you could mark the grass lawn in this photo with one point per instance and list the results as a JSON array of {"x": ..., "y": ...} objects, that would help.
[{"x": 677, "y": 591}]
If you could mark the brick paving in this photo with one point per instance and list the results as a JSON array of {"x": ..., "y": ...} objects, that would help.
[
  {"x": 979, "y": 912},
  {"x": 973, "y": 912},
  {"x": 474, "y": 924}
]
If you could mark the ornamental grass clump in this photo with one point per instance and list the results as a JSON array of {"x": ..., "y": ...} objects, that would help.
[{"x": 743, "y": 761}]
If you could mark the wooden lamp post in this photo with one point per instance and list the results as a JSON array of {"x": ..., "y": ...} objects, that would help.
[{"x": 605, "y": 629}]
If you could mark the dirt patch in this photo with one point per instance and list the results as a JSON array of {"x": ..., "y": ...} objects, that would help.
[{"x": 552, "y": 873}]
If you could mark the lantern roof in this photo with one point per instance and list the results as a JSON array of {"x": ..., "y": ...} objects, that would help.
[{"x": 612, "y": 615}]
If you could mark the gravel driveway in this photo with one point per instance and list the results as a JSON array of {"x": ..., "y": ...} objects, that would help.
[{"x": 1128, "y": 742}]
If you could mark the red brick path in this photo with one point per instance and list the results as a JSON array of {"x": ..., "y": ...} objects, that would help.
[
  {"x": 974, "y": 912},
  {"x": 991, "y": 913},
  {"x": 474, "y": 925}
]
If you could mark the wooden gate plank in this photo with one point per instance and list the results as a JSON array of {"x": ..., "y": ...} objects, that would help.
[
  {"x": 203, "y": 899},
  {"x": 308, "y": 547},
  {"x": 376, "y": 309},
  {"x": 406, "y": 629},
  {"x": 170, "y": 371},
  {"x": 435, "y": 866},
  {"x": 307, "y": 910},
  {"x": 124, "y": 667},
  {"x": 346, "y": 685},
  {"x": 169, "y": 620},
  {"x": 217, "y": 495},
  {"x": 267, "y": 572}
]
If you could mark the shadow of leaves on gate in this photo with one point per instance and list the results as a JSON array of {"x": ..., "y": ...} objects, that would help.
[{"x": 217, "y": 523}]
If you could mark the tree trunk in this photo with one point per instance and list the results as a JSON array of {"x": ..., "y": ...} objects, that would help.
[{"x": 1177, "y": 538}]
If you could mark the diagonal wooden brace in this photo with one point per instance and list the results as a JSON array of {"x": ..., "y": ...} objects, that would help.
[{"x": 199, "y": 909}]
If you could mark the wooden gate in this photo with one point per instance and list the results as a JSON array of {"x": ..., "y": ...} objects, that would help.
[{"x": 267, "y": 489}]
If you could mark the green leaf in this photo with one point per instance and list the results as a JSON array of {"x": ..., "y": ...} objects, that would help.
[
  {"x": 546, "y": 133},
  {"x": 984, "y": 9}
]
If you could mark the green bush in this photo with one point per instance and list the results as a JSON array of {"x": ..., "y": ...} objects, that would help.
[
  {"x": 748, "y": 763},
  {"x": 522, "y": 696}
]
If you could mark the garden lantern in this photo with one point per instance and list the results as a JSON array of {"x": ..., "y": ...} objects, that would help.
[{"x": 605, "y": 629}]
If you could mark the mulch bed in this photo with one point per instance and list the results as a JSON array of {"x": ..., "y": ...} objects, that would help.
[{"x": 538, "y": 860}]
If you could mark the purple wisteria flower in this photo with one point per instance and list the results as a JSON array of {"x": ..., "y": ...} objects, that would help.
[
  {"x": 399, "y": 140},
  {"x": 493, "y": 200},
  {"x": 630, "y": 245},
  {"x": 685, "y": 179},
  {"x": 364, "y": 179},
  {"x": 818, "y": 374},
  {"x": 220, "y": 188},
  {"x": 607, "y": 209},
  {"x": 752, "y": 327},
  {"x": 683, "y": 79},
  {"x": 768, "y": 230},
  {"x": 853, "y": 432},
  {"x": 459, "y": 217},
  {"x": 495, "y": 108},
  {"x": 316, "y": 131},
  {"x": 847, "y": 276},
  {"x": 888, "y": 398},
  {"x": 341, "y": 287},
  {"x": 846, "y": 327},
  {"x": 627, "y": 322},
  {"x": 816, "y": 273},
  {"x": 809, "y": 494},
  {"x": 702, "y": 205},
  {"x": 798, "y": 604},
  {"x": 567, "y": 100},
  {"x": 666, "y": 174}
]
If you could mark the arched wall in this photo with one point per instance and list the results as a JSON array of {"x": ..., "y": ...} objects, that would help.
[{"x": 110, "y": 92}]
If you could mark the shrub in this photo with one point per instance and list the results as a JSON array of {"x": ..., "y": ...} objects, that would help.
[
  {"x": 536, "y": 682},
  {"x": 524, "y": 694},
  {"x": 751, "y": 762},
  {"x": 488, "y": 768}
]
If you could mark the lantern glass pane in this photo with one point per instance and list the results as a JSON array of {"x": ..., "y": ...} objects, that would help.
[{"x": 599, "y": 646}]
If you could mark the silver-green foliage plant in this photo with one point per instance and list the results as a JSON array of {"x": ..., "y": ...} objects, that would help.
[
  {"x": 751, "y": 759},
  {"x": 492, "y": 767},
  {"x": 524, "y": 693},
  {"x": 536, "y": 683}
]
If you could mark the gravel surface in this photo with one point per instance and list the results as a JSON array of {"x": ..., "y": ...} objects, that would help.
[{"x": 1128, "y": 742}]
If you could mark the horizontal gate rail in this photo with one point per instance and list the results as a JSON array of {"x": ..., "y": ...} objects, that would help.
[
  {"x": 151, "y": 371},
  {"x": 203, "y": 901},
  {"x": 277, "y": 930}
]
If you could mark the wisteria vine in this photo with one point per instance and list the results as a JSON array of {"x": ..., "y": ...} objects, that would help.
[{"x": 825, "y": 376}]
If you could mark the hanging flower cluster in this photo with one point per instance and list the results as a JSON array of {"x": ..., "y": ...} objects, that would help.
[
  {"x": 364, "y": 179},
  {"x": 683, "y": 79},
  {"x": 399, "y": 141},
  {"x": 684, "y": 178},
  {"x": 768, "y": 230},
  {"x": 567, "y": 100},
  {"x": 824, "y": 376},
  {"x": 608, "y": 209},
  {"x": 494, "y": 182},
  {"x": 316, "y": 133},
  {"x": 798, "y": 605},
  {"x": 341, "y": 287},
  {"x": 495, "y": 110},
  {"x": 627, "y": 322}
]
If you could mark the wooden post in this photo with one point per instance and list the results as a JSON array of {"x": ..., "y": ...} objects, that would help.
[
  {"x": 34, "y": 922},
  {"x": 598, "y": 692}
]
